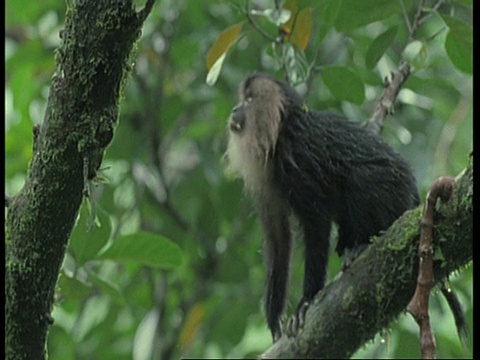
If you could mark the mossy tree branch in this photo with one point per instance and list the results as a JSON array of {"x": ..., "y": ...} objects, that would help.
[
  {"x": 381, "y": 281},
  {"x": 92, "y": 62}
]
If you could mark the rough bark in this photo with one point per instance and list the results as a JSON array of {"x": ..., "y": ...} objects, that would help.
[
  {"x": 381, "y": 281},
  {"x": 92, "y": 62}
]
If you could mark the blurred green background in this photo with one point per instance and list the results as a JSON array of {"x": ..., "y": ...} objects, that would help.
[{"x": 164, "y": 172}]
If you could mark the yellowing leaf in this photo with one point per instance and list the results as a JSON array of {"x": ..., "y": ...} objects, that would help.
[
  {"x": 303, "y": 28},
  {"x": 190, "y": 327},
  {"x": 290, "y": 5},
  {"x": 223, "y": 43}
]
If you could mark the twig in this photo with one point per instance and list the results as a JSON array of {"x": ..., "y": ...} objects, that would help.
[
  {"x": 418, "y": 305},
  {"x": 385, "y": 105},
  {"x": 405, "y": 16},
  {"x": 392, "y": 87},
  {"x": 416, "y": 20}
]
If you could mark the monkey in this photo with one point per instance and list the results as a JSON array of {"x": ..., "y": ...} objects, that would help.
[
  {"x": 322, "y": 168},
  {"x": 318, "y": 166}
]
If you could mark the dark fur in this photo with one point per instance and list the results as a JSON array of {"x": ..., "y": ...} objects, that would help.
[{"x": 323, "y": 168}]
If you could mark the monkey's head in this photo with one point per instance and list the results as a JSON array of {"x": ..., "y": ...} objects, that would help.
[{"x": 255, "y": 124}]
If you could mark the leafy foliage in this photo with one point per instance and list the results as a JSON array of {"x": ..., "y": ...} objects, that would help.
[{"x": 165, "y": 262}]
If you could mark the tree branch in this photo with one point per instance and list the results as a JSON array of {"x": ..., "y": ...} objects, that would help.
[
  {"x": 393, "y": 86},
  {"x": 381, "y": 281},
  {"x": 92, "y": 62},
  {"x": 385, "y": 105}
]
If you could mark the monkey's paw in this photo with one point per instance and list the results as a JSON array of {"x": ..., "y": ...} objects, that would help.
[{"x": 296, "y": 322}]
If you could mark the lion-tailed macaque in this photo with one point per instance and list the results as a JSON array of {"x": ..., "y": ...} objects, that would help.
[{"x": 320, "y": 167}]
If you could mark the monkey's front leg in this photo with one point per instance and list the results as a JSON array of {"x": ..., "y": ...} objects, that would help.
[
  {"x": 316, "y": 237},
  {"x": 278, "y": 239}
]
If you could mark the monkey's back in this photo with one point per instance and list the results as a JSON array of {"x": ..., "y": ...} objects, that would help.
[{"x": 331, "y": 168}]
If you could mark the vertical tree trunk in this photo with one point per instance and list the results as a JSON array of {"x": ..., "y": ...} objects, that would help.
[{"x": 92, "y": 62}]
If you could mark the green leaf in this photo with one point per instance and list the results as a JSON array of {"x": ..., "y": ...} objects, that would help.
[
  {"x": 93, "y": 312},
  {"x": 354, "y": 13},
  {"x": 466, "y": 2},
  {"x": 416, "y": 54},
  {"x": 16, "y": 13},
  {"x": 89, "y": 235},
  {"x": 222, "y": 329},
  {"x": 378, "y": 47},
  {"x": 72, "y": 288},
  {"x": 344, "y": 84},
  {"x": 214, "y": 71},
  {"x": 145, "y": 249},
  {"x": 109, "y": 288},
  {"x": 459, "y": 44}
]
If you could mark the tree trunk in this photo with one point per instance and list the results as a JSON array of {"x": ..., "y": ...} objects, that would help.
[{"x": 92, "y": 62}]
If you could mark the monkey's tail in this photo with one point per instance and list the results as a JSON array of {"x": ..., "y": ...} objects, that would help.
[{"x": 458, "y": 314}]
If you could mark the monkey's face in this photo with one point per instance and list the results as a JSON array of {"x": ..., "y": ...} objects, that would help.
[
  {"x": 237, "y": 117},
  {"x": 259, "y": 109},
  {"x": 254, "y": 128}
]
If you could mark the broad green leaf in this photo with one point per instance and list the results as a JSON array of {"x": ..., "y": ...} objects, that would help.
[
  {"x": 303, "y": 28},
  {"x": 466, "y": 2},
  {"x": 111, "y": 289},
  {"x": 460, "y": 53},
  {"x": 330, "y": 12},
  {"x": 145, "y": 249},
  {"x": 17, "y": 13},
  {"x": 223, "y": 43},
  {"x": 344, "y": 84},
  {"x": 354, "y": 14},
  {"x": 90, "y": 234},
  {"x": 222, "y": 329},
  {"x": 459, "y": 44},
  {"x": 72, "y": 288},
  {"x": 93, "y": 312},
  {"x": 144, "y": 340},
  {"x": 416, "y": 54},
  {"x": 378, "y": 47}
]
